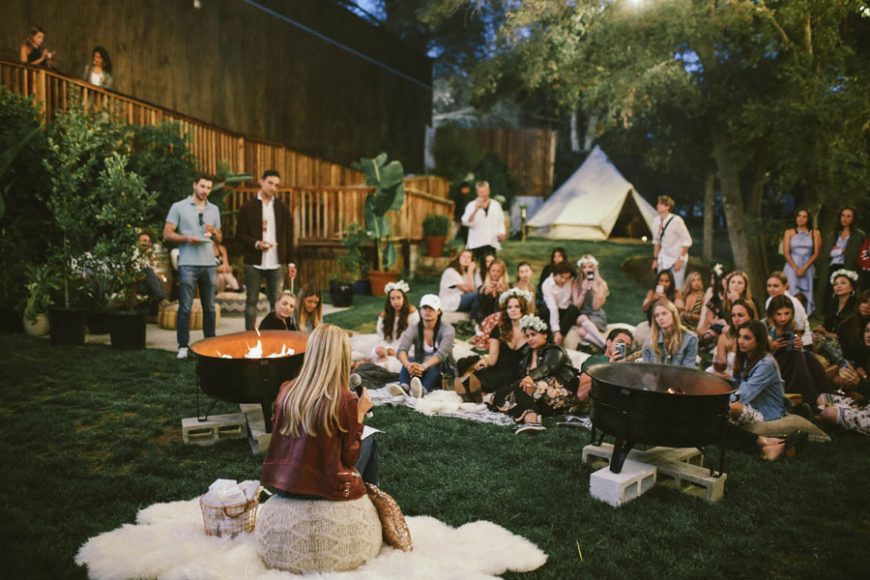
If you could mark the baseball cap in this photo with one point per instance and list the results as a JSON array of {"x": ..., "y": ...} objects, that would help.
[{"x": 430, "y": 300}]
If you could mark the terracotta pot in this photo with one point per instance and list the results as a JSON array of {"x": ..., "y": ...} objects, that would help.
[
  {"x": 38, "y": 328},
  {"x": 435, "y": 246},
  {"x": 380, "y": 279}
]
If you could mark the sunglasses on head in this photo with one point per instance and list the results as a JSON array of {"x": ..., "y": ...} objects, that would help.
[{"x": 201, "y": 221}]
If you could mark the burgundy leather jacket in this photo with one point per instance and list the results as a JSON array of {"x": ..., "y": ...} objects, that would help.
[{"x": 321, "y": 466}]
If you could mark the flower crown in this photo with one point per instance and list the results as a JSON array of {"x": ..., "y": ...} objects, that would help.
[
  {"x": 400, "y": 285},
  {"x": 853, "y": 276},
  {"x": 515, "y": 293},
  {"x": 533, "y": 322},
  {"x": 587, "y": 259}
]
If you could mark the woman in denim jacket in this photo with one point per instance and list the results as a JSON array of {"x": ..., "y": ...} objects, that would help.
[
  {"x": 760, "y": 395},
  {"x": 670, "y": 343}
]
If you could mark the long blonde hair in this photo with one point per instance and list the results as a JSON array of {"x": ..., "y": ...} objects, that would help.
[
  {"x": 687, "y": 287},
  {"x": 505, "y": 277},
  {"x": 747, "y": 291},
  {"x": 301, "y": 315},
  {"x": 672, "y": 342},
  {"x": 312, "y": 405}
]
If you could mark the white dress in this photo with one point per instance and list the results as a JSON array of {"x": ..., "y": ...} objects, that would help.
[{"x": 391, "y": 363}]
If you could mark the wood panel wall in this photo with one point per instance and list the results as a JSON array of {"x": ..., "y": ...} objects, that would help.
[{"x": 233, "y": 65}]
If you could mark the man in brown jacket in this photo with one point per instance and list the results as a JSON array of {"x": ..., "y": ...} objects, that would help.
[{"x": 266, "y": 234}]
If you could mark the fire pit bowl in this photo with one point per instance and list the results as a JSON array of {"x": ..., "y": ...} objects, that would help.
[
  {"x": 248, "y": 380},
  {"x": 657, "y": 405}
]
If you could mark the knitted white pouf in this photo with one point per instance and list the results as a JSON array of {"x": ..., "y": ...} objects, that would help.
[{"x": 304, "y": 536}]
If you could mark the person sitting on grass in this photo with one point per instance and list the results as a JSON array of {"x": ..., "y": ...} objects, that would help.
[
  {"x": 851, "y": 410},
  {"x": 524, "y": 282},
  {"x": 669, "y": 343},
  {"x": 398, "y": 315},
  {"x": 558, "y": 307},
  {"x": 282, "y": 318},
  {"x": 851, "y": 330},
  {"x": 507, "y": 342},
  {"x": 802, "y": 371},
  {"x": 317, "y": 440},
  {"x": 737, "y": 287},
  {"x": 309, "y": 312},
  {"x": 760, "y": 395},
  {"x": 432, "y": 341},
  {"x": 556, "y": 256},
  {"x": 712, "y": 321},
  {"x": 777, "y": 285},
  {"x": 459, "y": 282},
  {"x": 726, "y": 347},
  {"x": 616, "y": 348},
  {"x": 663, "y": 289},
  {"x": 693, "y": 299},
  {"x": 843, "y": 283},
  {"x": 495, "y": 282},
  {"x": 588, "y": 294},
  {"x": 548, "y": 385}
]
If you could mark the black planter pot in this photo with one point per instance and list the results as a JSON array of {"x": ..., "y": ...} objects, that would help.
[
  {"x": 98, "y": 322},
  {"x": 341, "y": 294},
  {"x": 127, "y": 328},
  {"x": 362, "y": 287},
  {"x": 10, "y": 320},
  {"x": 67, "y": 325}
]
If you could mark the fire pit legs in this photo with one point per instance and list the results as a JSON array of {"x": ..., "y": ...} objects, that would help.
[
  {"x": 620, "y": 453},
  {"x": 267, "y": 415}
]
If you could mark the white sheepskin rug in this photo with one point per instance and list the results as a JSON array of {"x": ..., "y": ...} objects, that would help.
[{"x": 168, "y": 542}]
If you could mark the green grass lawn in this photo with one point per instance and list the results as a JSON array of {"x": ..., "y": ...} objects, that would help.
[{"x": 91, "y": 435}]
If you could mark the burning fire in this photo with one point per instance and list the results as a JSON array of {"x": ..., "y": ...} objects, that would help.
[{"x": 673, "y": 391}]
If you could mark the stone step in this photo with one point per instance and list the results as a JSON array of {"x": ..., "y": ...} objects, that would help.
[{"x": 215, "y": 428}]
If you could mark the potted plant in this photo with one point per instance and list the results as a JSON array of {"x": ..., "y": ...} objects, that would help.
[
  {"x": 388, "y": 180},
  {"x": 41, "y": 282},
  {"x": 124, "y": 203},
  {"x": 435, "y": 228},
  {"x": 78, "y": 143},
  {"x": 101, "y": 290},
  {"x": 353, "y": 239},
  {"x": 341, "y": 283}
]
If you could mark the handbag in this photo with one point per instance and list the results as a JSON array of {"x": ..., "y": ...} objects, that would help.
[{"x": 395, "y": 529}]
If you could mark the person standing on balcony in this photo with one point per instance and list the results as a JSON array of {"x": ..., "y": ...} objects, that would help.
[
  {"x": 99, "y": 72},
  {"x": 485, "y": 221},
  {"x": 265, "y": 231},
  {"x": 671, "y": 241},
  {"x": 33, "y": 50},
  {"x": 195, "y": 224}
]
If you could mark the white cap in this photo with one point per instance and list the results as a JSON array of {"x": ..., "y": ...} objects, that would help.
[{"x": 430, "y": 300}]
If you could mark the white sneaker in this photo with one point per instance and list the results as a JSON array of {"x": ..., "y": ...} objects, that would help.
[
  {"x": 530, "y": 428},
  {"x": 396, "y": 390},
  {"x": 416, "y": 388},
  {"x": 182, "y": 352}
]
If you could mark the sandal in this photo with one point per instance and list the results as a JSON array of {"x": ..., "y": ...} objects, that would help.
[{"x": 794, "y": 442}]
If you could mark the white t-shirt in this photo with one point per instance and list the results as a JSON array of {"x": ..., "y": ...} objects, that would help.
[
  {"x": 448, "y": 292},
  {"x": 556, "y": 298},
  {"x": 270, "y": 256},
  {"x": 675, "y": 238},
  {"x": 486, "y": 226}
]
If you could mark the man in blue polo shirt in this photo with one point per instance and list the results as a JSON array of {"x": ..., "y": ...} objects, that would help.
[{"x": 194, "y": 224}]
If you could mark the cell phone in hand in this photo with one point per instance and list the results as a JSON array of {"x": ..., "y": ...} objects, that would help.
[
  {"x": 660, "y": 289},
  {"x": 590, "y": 276},
  {"x": 619, "y": 350}
]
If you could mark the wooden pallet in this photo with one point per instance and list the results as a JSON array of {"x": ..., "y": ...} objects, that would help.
[{"x": 678, "y": 468}]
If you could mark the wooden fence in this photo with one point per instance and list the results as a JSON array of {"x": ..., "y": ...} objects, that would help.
[
  {"x": 530, "y": 154},
  {"x": 324, "y": 197}
]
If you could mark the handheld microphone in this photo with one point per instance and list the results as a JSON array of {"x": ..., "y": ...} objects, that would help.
[{"x": 355, "y": 384}]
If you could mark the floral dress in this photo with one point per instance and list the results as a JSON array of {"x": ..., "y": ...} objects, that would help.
[{"x": 555, "y": 387}]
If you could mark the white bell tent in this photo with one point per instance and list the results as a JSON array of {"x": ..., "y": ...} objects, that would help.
[{"x": 595, "y": 203}]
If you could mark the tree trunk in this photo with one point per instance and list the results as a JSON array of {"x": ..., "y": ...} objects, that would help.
[
  {"x": 708, "y": 216},
  {"x": 741, "y": 225}
]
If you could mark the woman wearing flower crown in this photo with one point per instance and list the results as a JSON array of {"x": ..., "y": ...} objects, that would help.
[
  {"x": 589, "y": 294},
  {"x": 397, "y": 316},
  {"x": 548, "y": 385},
  {"x": 501, "y": 366},
  {"x": 844, "y": 284}
]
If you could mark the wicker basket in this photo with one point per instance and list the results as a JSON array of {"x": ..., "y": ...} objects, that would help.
[{"x": 229, "y": 520}]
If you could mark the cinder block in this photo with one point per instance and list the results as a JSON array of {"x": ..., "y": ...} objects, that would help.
[
  {"x": 617, "y": 489},
  {"x": 215, "y": 428},
  {"x": 258, "y": 439}
]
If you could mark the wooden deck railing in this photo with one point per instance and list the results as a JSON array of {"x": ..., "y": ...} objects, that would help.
[
  {"x": 322, "y": 214},
  {"x": 210, "y": 145}
]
